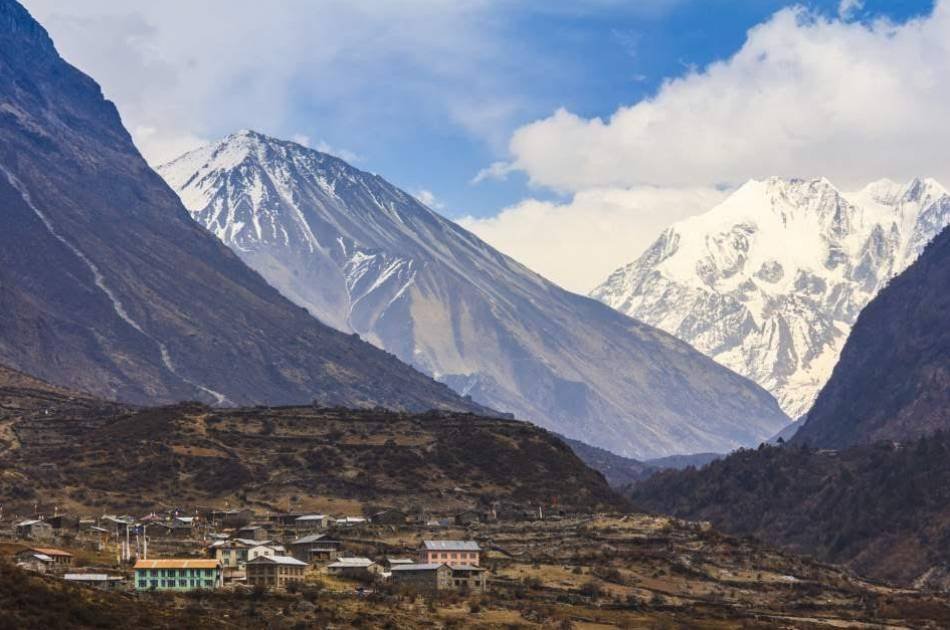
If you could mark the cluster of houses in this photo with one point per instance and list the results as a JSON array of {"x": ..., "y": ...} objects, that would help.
[{"x": 270, "y": 553}]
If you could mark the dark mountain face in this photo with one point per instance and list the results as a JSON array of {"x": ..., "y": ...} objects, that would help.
[
  {"x": 108, "y": 286},
  {"x": 893, "y": 379},
  {"x": 880, "y": 508}
]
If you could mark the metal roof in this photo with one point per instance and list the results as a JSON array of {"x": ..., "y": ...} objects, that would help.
[
  {"x": 41, "y": 557},
  {"x": 432, "y": 566},
  {"x": 352, "y": 562},
  {"x": 451, "y": 545},
  {"x": 91, "y": 577},
  {"x": 50, "y": 551},
  {"x": 177, "y": 563},
  {"x": 285, "y": 560},
  {"x": 312, "y": 538}
]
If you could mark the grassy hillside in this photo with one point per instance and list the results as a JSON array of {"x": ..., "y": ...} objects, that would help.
[{"x": 109, "y": 456}]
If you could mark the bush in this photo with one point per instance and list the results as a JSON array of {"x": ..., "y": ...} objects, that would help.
[{"x": 591, "y": 589}]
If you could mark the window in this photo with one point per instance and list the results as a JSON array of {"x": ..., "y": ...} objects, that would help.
[
  {"x": 143, "y": 584},
  {"x": 154, "y": 572}
]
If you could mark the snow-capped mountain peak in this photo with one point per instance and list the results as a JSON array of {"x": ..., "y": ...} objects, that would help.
[
  {"x": 366, "y": 257},
  {"x": 769, "y": 281}
]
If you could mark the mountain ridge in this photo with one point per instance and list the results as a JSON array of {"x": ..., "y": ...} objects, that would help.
[
  {"x": 769, "y": 281},
  {"x": 365, "y": 256},
  {"x": 893, "y": 379},
  {"x": 109, "y": 287}
]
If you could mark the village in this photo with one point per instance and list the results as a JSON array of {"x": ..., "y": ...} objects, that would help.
[
  {"x": 210, "y": 549},
  {"x": 476, "y": 568}
]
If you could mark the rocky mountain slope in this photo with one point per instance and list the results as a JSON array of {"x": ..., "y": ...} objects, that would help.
[
  {"x": 893, "y": 379},
  {"x": 770, "y": 281},
  {"x": 881, "y": 509},
  {"x": 619, "y": 471},
  {"x": 108, "y": 286},
  {"x": 367, "y": 257}
]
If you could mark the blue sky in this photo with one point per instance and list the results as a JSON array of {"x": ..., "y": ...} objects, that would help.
[
  {"x": 428, "y": 93},
  {"x": 588, "y": 61}
]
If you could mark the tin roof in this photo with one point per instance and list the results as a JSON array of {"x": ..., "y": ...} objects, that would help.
[
  {"x": 451, "y": 545},
  {"x": 466, "y": 567},
  {"x": 306, "y": 540},
  {"x": 177, "y": 563},
  {"x": 311, "y": 517},
  {"x": 49, "y": 551},
  {"x": 90, "y": 577},
  {"x": 351, "y": 562},
  {"x": 432, "y": 566},
  {"x": 285, "y": 560}
]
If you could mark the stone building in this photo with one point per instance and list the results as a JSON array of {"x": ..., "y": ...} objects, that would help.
[{"x": 274, "y": 571}]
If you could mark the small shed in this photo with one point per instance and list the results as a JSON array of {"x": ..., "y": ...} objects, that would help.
[{"x": 34, "y": 530}]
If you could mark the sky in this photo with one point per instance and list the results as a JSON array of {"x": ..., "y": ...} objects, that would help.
[{"x": 566, "y": 133}]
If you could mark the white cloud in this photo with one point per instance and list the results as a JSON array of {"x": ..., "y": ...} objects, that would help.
[
  {"x": 847, "y": 8},
  {"x": 324, "y": 147},
  {"x": 204, "y": 69},
  {"x": 428, "y": 198},
  {"x": 165, "y": 147},
  {"x": 805, "y": 95},
  {"x": 495, "y": 170},
  {"x": 301, "y": 139},
  {"x": 577, "y": 244}
]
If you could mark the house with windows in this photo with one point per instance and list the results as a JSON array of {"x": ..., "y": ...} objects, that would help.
[
  {"x": 469, "y": 578},
  {"x": 177, "y": 574},
  {"x": 267, "y": 551},
  {"x": 422, "y": 577},
  {"x": 314, "y": 547},
  {"x": 354, "y": 568},
  {"x": 450, "y": 552},
  {"x": 274, "y": 571},
  {"x": 230, "y": 553},
  {"x": 311, "y": 522},
  {"x": 45, "y": 559},
  {"x": 34, "y": 561}
]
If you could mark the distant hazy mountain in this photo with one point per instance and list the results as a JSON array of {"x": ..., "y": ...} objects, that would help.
[
  {"x": 109, "y": 287},
  {"x": 893, "y": 379},
  {"x": 770, "y": 281},
  {"x": 364, "y": 256}
]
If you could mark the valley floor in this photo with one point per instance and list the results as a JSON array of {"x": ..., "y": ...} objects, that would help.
[{"x": 596, "y": 571}]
